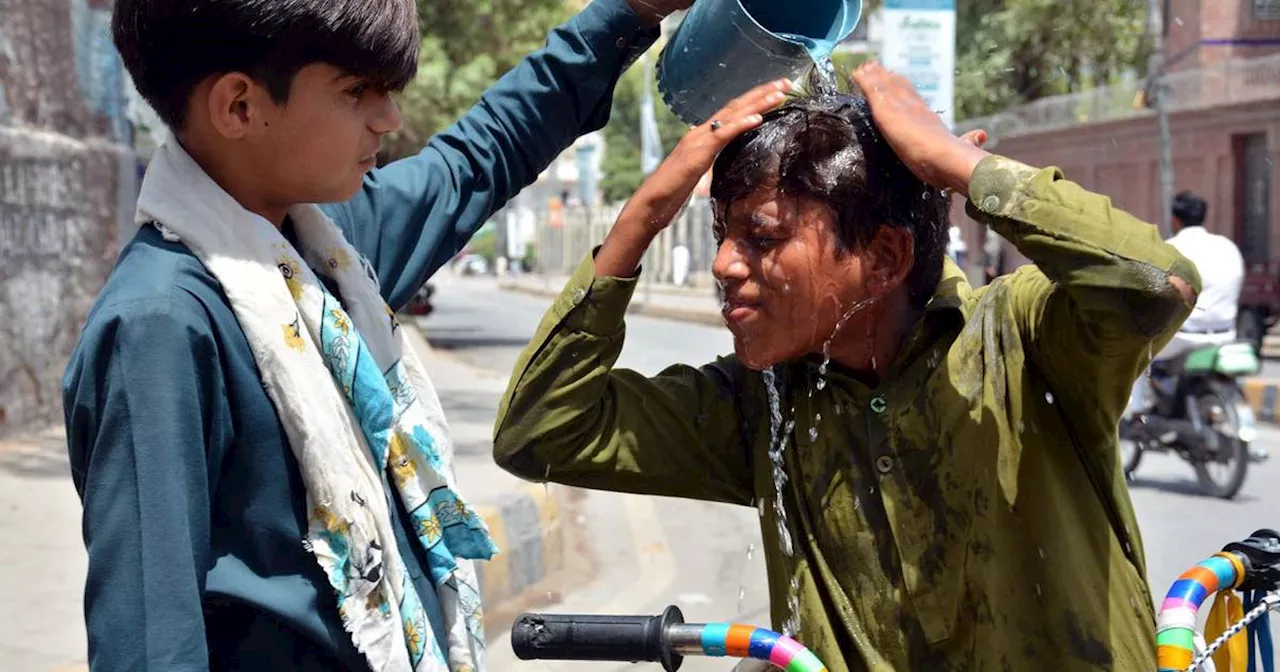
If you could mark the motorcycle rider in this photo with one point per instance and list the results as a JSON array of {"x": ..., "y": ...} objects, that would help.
[{"x": 1213, "y": 321}]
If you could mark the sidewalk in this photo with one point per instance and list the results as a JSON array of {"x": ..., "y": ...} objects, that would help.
[
  {"x": 663, "y": 301},
  {"x": 42, "y": 582}
]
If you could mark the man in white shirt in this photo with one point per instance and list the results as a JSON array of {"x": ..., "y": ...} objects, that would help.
[{"x": 1221, "y": 267}]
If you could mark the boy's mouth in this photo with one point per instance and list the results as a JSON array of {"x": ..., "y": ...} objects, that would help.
[{"x": 738, "y": 310}]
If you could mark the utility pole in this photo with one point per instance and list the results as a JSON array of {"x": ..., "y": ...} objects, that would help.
[{"x": 1156, "y": 90}]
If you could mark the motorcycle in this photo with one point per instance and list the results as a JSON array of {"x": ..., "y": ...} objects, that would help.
[
  {"x": 1200, "y": 413},
  {"x": 1250, "y": 567}
]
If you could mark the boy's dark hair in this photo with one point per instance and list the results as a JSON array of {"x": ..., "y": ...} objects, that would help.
[
  {"x": 1190, "y": 209},
  {"x": 826, "y": 146},
  {"x": 171, "y": 46}
]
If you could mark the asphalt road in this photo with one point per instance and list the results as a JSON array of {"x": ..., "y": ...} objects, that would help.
[{"x": 705, "y": 557}]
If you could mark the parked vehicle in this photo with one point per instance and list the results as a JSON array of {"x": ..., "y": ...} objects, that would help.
[
  {"x": 1259, "y": 302},
  {"x": 420, "y": 304}
]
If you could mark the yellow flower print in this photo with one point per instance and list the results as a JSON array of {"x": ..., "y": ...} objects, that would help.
[
  {"x": 331, "y": 521},
  {"x": 293, "y": 336},
  {"x": 429, "y": 528},
  {"x": 401, "y": 466},
  {"x": 413, "y": 638},
  {"x": 340, "y": 320},
  {"x": 292, "y": 273},
  {"x": 337, "y": 259},
  {"x": 461, "y": 507}
]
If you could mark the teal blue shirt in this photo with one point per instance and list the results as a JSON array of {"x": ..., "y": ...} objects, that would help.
[{"x": 194, "y": 510}]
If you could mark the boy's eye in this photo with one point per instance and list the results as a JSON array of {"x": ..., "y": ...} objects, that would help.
[
  {"x": 765, "y": 243},
  {"x": 358, "y": 90}
]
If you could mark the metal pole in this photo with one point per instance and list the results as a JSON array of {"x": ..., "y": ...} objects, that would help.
[{"x": 1157, "y": 90}]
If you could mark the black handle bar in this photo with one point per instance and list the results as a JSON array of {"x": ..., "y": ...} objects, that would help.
[{"x": 601, "y": 638}]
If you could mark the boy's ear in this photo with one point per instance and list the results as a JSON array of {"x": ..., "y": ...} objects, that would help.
[
  {"x": 235, "y": 104},
  {"x": 890, "y": 257}
]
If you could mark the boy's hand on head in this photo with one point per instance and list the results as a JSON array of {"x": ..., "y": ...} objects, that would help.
[
  {"x": 657, "y": 201},
  {"x": 674, "y": 180},
  {"x": 652, "y": 12},
  {"x": 916, "y": 133}
]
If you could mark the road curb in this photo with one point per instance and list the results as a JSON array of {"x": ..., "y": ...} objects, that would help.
[
  {"x": 710, "y": 318},
  {"x": 1264, "y": 397},
  {"x": 528, "y": 527}
]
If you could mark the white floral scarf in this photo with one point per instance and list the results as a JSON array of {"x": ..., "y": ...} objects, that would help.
[{"x": 355, "y": 403}]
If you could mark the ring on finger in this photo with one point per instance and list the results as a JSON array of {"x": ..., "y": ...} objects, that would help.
[{"x": 715, "y": 124}]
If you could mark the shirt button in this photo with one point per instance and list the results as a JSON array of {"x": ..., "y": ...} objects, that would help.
[
  {"x": 884, "y": 464},
  {"x": 622, "y": 43},
  {"x": 578, "y": 295},
  {"x": 878, "y": 405},
  {"x": 991, "y": 203}
]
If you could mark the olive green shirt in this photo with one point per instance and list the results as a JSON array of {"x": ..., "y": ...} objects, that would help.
[{"x": 969, "y": 512}]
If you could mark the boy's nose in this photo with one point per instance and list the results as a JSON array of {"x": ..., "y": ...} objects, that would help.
[
  {"x": 388, "y": 118},
  {"x": 729, "y": 265}
]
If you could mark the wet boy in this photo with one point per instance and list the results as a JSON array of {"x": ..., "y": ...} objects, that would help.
[{"x": 951, "y": 498}]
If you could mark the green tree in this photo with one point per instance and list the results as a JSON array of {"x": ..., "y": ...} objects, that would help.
[
  {"x": 621, "y": 164},
  {"x": 466, "y": 46},
  {"x": 1010, "y": 52}
]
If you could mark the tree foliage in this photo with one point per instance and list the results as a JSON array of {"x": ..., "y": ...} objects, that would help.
[
  {"x": 1010, "y": 52},
  {"x": 621, "y": 164},
  {"x": 466, "y": 46}
]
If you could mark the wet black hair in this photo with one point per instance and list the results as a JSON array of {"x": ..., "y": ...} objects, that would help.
[
  {"x": 171, "y": 46},
  {"x": 1190, "y": 209},
  {"x": 824, "y": 145}
]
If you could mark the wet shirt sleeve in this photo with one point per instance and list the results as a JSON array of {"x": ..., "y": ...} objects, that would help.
[
  {"x": 1100, "y": 298},
  {"x": 414, "y": 215},
  {"x": 142, "y": 403},
  {"x": 570, "y": 417}
]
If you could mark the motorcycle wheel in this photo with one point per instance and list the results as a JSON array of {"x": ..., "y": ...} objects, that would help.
[
  {"x": 1130, "y": 447},
  {"x": 1223, "y": 475}
]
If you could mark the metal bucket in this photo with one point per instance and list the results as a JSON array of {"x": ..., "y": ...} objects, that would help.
[{"x": 725, "y": 47}]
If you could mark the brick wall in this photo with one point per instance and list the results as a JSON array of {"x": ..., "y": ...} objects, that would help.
[
  {"x": 67, "y": 181},
  {"x": 1215, "y": 30},
  {"x": 1119, "y": 160}
]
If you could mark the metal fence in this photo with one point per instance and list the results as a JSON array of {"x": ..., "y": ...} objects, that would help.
[
  {"x": 562, "y": 242},
  {"x": 1226, "y": 82}
]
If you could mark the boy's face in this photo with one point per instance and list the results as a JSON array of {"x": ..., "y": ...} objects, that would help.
[
  {"x": 786, "y": 283},
  {"x": 317, "y": 147}
]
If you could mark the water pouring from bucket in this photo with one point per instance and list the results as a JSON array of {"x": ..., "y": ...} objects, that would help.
[{"x": 756, "y": 40}]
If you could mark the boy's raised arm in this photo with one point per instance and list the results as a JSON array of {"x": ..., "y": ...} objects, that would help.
[
  {"x": 568, "y": 416},
  {"x": 414, "y": 215}
]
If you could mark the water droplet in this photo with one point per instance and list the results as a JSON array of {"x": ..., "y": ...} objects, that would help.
[
  {"x": 1048, "y": 396},
  {"x": 873, "y": 363},
  {"x": 1041, "y": 550},
  {"x": 813, "y": 435},
  {"x": 1178, "y": 20},
  {"x": 925, "y": 196},
  {"x": 1021, "y": 427},
  {"x": 1039, "y": 593}
]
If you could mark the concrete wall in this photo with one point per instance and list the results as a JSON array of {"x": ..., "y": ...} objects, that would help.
[
  {"x": 67, "y": 182},
  {"x": 1119, "y": 159}
]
